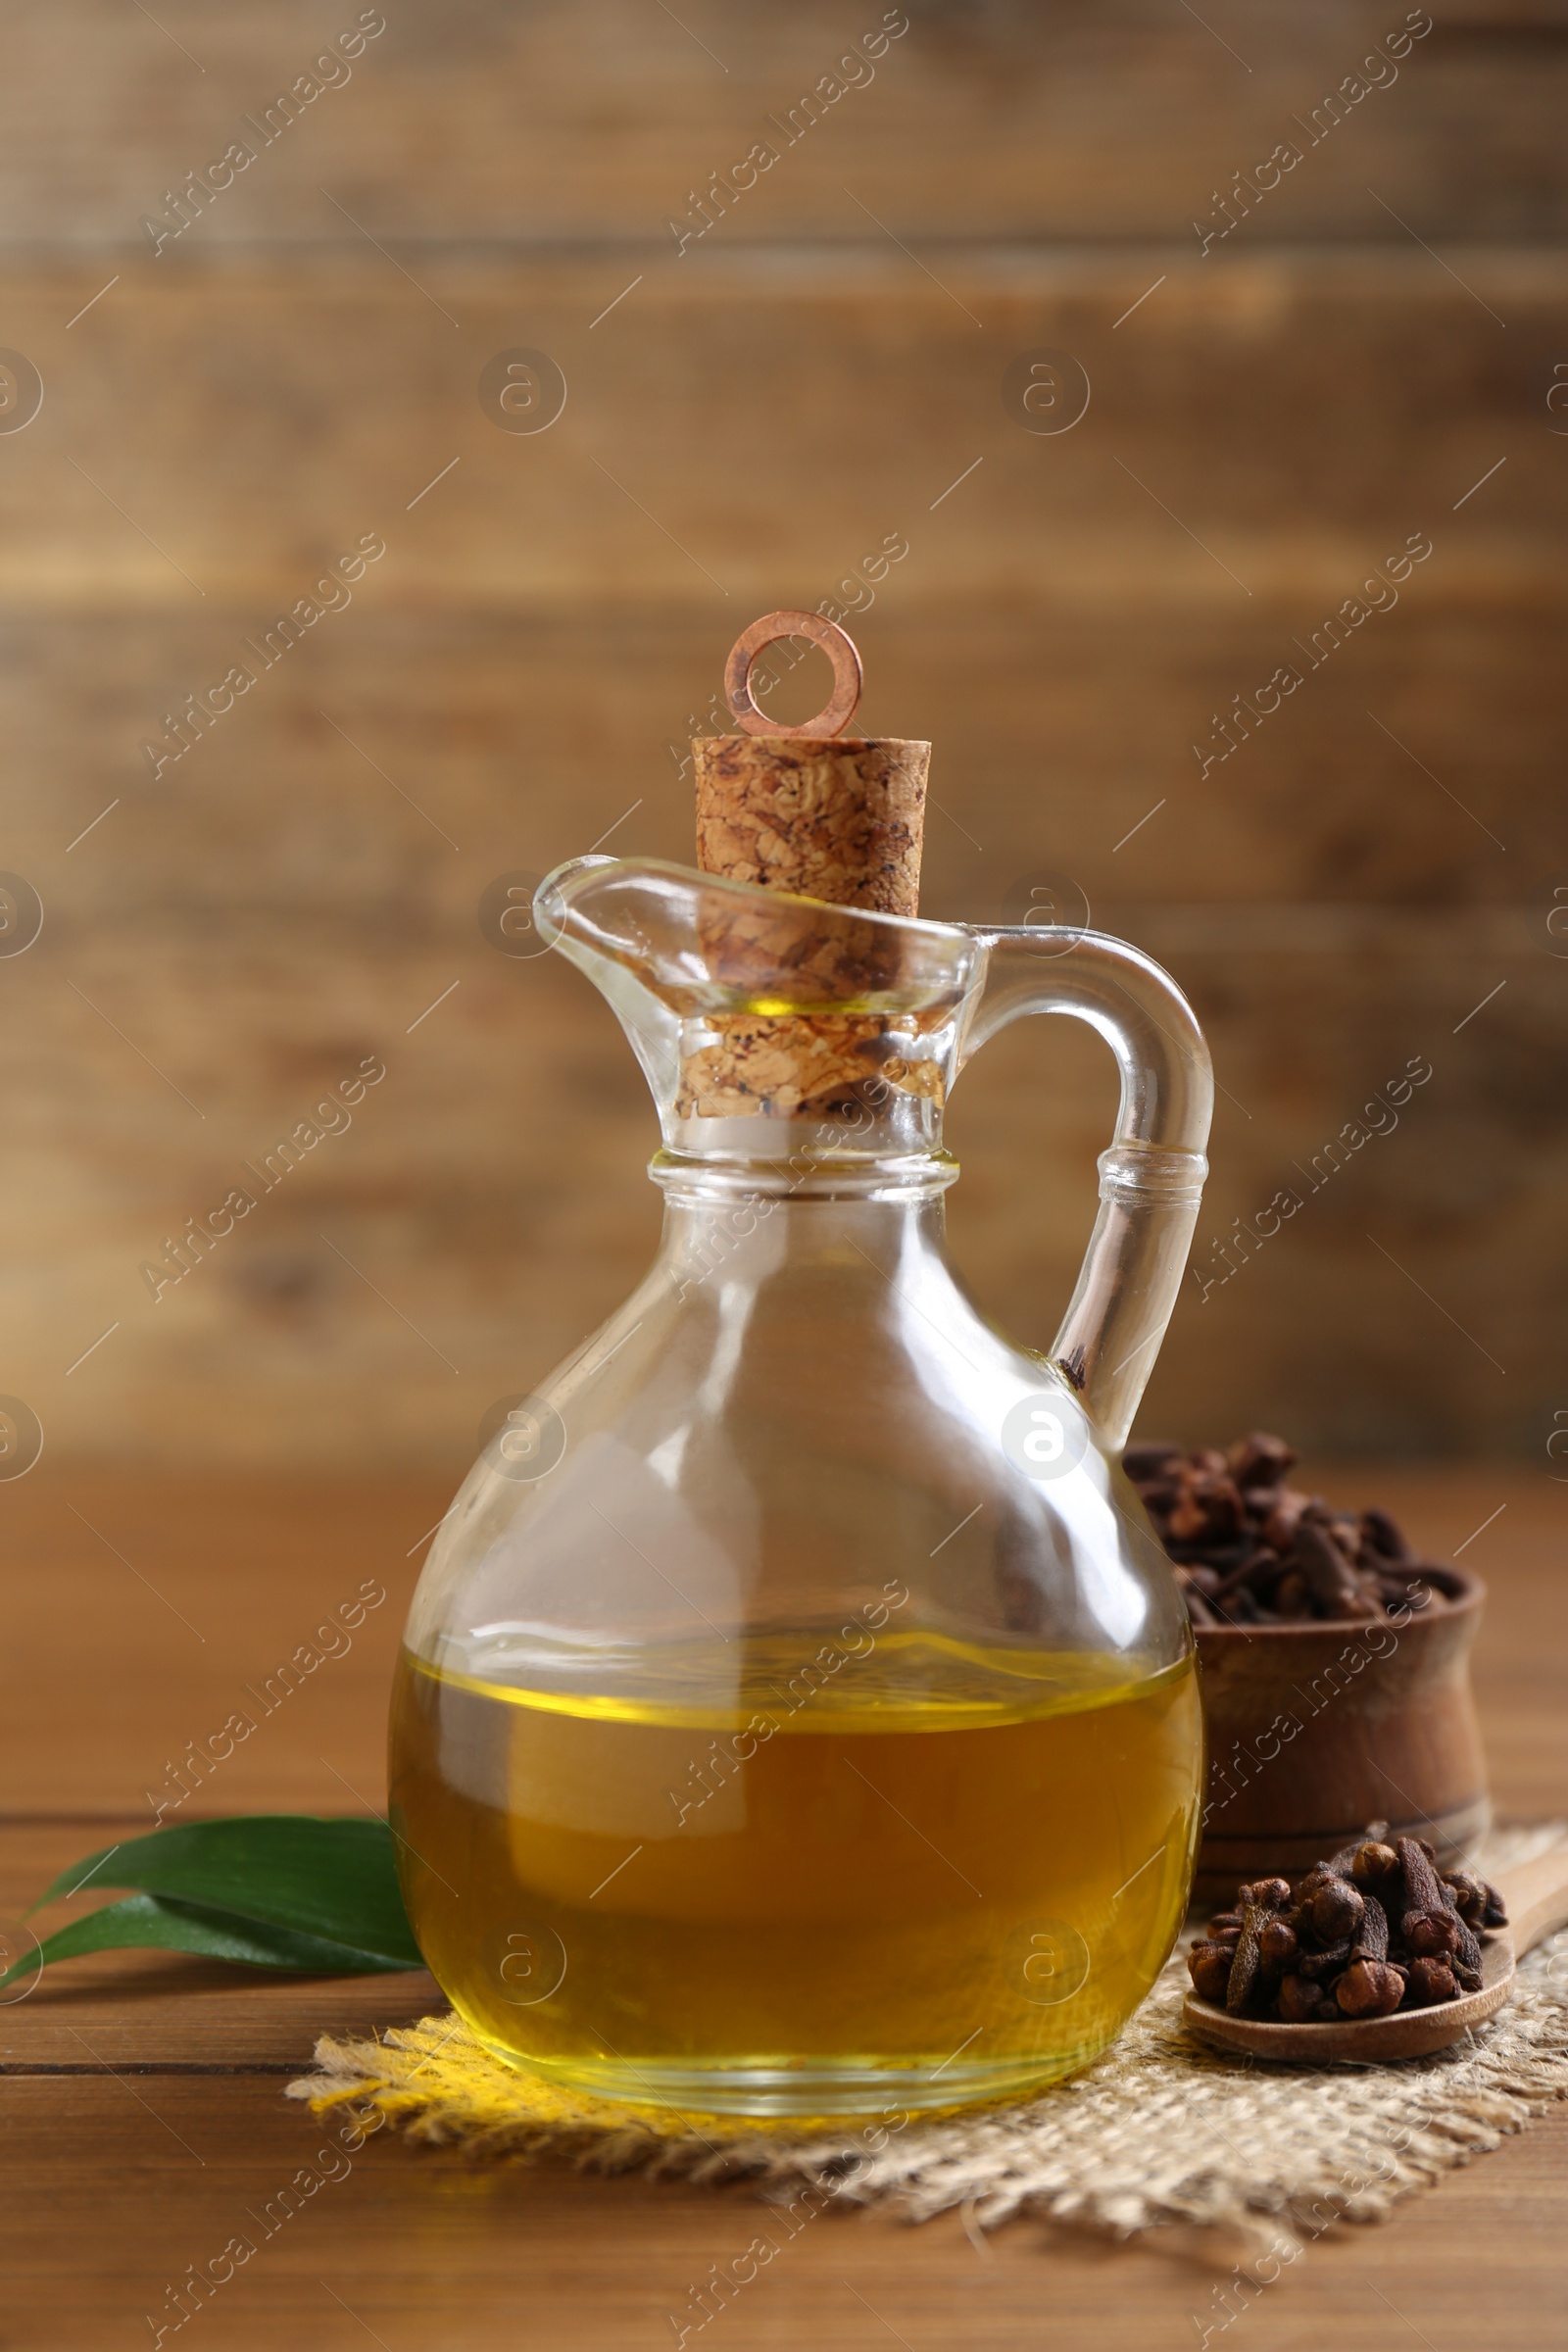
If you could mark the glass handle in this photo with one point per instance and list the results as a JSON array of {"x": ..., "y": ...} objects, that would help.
[{"x": 1150, "y": 1179}]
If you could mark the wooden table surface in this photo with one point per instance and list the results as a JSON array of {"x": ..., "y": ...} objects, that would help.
[{"x": 143, "y": 2096}]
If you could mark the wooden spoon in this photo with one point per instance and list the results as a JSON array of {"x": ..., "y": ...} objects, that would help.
[{"x": 1536, "y": 1896}]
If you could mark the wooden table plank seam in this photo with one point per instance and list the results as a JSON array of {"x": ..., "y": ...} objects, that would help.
[{"x": 151, "y": 2066}]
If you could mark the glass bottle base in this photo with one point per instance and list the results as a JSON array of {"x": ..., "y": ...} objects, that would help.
[{"x": 770, "y": 2090}]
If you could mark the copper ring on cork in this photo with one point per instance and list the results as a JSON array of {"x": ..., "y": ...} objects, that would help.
[{"x": 836, "y": 643}]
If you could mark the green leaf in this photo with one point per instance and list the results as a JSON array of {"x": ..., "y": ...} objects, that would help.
[
  {"x": 159, "y": 1921},
  {"x": 273, "y": 1882}
]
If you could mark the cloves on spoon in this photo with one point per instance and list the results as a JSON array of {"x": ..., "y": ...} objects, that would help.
[{"x": 1536, "y": 1896}]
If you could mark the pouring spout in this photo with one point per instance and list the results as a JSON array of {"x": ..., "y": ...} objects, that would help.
[{"x": 764, "y": 1021}]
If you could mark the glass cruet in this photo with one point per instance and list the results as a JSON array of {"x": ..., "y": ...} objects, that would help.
[{"x": 797, "y": 1714}]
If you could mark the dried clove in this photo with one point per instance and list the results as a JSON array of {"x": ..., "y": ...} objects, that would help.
[
  {"x": 1338, "y": 1907},
  {"x": 1209, "y": 1967},
  {"x": 1370, "y": 1988},
  {"x": 1383, "y": 1536},
  {"x": 1273, "y": 1894},
  {"x": 1325, "y": 1962},
  {"x": 1465, "y": 1961},
  {"x": 1330, "y": 1576},
  {"x": 1430, "y": 1938},
  {"x": 1284, "y": 1518},
  {"x": 1277, "y": 1948},
  {"x": 1429, "y": 1927},
  {"x": 1375, "y": 1929},
  {"x": 1371, "y": 1938},
  {"x": 1302, "y": 2002},
  {"x": 1258, "y": 1906},
  {"x": 1431, "y": 1981},
  {"x": 1469, "y": 1896},
  {"x": 1373, "y": 1862},
  {"x": 1261, "y": 1460}
]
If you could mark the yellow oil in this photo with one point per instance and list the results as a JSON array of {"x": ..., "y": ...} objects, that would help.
[{"x": 937, "y": 1876}]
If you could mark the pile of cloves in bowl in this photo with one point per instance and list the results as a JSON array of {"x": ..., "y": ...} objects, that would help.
[
  {"x": 1250, "y": 1548},
  {"x": 1375, "y": 1930}
]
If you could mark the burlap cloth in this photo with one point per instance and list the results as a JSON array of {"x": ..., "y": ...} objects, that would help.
[{"x": 1159, "y": 2133}]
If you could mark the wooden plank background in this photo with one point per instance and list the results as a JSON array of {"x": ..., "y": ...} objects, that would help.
[{"x": 1368, "y": 355}]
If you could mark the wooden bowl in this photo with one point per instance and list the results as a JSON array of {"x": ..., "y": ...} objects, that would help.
[{"x": 1316, "y": 1729}]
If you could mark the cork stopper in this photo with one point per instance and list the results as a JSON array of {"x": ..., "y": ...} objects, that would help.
[
  {"x": 824, "y": 816},
  {"x": 839, "y": 821},
  {"x": 802, "y": 808}
]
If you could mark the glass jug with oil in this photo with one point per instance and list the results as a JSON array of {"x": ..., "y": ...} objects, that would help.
[{"x": 797, "y": 1715}]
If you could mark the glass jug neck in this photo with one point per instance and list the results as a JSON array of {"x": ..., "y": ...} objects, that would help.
[
  {"x": 719, "y": 1235},
  {"x": 703, "y": 1184}
]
